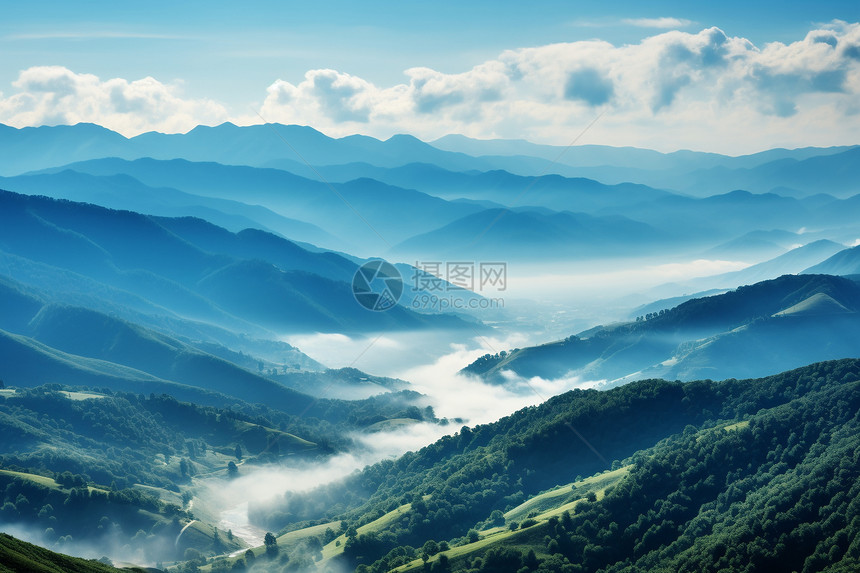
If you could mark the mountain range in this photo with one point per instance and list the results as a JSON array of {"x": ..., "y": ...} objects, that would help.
[
  {"x": 331, "y": 195},
  {"x": 751, "y": 331},
  {"x": 197, "y": 280},
  {"x": 151, "y": 410}
]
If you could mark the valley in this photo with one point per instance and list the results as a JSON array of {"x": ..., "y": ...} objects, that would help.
[{"x": 452, "y": 288}]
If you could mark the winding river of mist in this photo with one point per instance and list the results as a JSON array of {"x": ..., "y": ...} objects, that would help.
[{"x": 467, "y": 400}]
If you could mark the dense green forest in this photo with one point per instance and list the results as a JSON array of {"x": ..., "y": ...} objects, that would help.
[
  {"x": 97, "y": 467},
  {"x": 745, "y": 474},
  {"x": 776, "y": 493},
  {"x": 113, "y": 436},
  {"x": 755, "y": 475}
]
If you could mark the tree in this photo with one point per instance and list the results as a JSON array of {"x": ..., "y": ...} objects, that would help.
[
  {"x": 442, "y": 564},
  {"x": 239, "y": 452},
  {"x": 473, "y": 536},
  {"x": 329, "y": 535},
  {"x": 232, "y": 470},
  {"x": 271, "y": 543},
  {"x": 497, "y": 518}
]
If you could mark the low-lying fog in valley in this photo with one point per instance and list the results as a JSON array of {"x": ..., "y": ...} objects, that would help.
[{"x": 540, "y": 305}]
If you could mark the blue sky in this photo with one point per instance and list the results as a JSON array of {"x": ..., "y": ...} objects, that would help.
[{"x": 208, "y": 62}]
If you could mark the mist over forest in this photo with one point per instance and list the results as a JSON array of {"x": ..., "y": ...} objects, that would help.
[{"x": 390, "y": 290}]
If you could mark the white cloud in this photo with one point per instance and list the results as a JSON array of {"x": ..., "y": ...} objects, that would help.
[
  {"x": 51, "y": 95},
  {"x": 673, "y": 90},
  {"x": 662, "y": 23},
  {"x": 704, "y": 90}
]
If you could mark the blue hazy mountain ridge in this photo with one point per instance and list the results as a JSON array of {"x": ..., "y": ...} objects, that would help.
[
  {"x": 86, "y": 333},
  {"x": 124, "y": 192},
  {"x": 846, "y": 262},
  {"x": 757, "y": 245},
  {"x": 670, "y": 302},
  {"x": 29, "y": 149},
  {"x": 36, "y": 363},
  {"x": 256, "y": 144},
  {"x": 253, "y": 244},
  {"x": 727, "y": 216},
  {"x": 133, "y": 252},
  {"x": 82, "y": 334},
  {"x": 794, "y": 261},
  {"x": 393, "y": 211},
  {"x": 769, "y": 326},
  {"x": 68, "y": 287},
  {"x": 806, "y": 170},
  {"x": 385, "y": 210},
  {"x": 621, "y": 157},
  {"x": 552, "y": 191},
  {"x": 510, "y": 233},
  {"x": 836, "y": 174},
  {"x": 34, "y": 148}
]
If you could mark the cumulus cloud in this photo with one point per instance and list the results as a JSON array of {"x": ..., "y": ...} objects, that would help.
[
  {"x": 704, "y": 90},
  {"x": 675, "y": 89},
  {"x": 53, "y": 95}
]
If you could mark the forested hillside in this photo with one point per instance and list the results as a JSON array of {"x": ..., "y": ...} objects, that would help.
[
  {"x": 752, "y": 331},
  {"x": 17, "y": 555},
  {"x": 711, "y": 475}
]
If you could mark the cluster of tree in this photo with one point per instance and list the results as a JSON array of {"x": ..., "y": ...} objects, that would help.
[
  {"x": 455, "y": 483},
  {"x": 651, "y": 315},
  {"x": 778, "y": 492},
  {"x": 487, "y": 361},
  {"x": 74, "y": 512},
  {"x": 114, "y": 438}
]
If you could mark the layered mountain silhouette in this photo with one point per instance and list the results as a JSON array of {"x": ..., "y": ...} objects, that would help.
[
  {"x": 78, "y": 345},
  {"x": 362, "y": 213},
  {"x": 794, "y": 261},
  {"x": 400, "y": 197},
  {"x": 845, "y": 262},
  {"x": 34, "y": 148},
  {"x": 121, "y": 191},
  {"x": 223, "y": 281},
  {"x": 500, "y": 233},
  {"x": 765, "y": 327}
]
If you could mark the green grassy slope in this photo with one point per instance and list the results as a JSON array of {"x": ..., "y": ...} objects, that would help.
[{"x": 18, "y": 556}]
